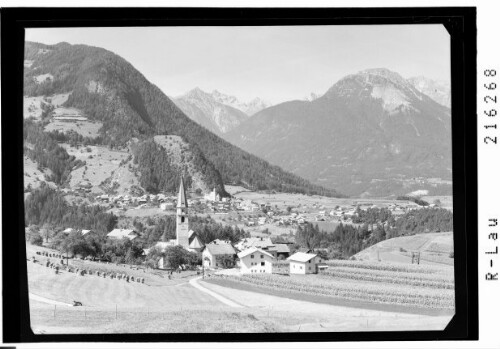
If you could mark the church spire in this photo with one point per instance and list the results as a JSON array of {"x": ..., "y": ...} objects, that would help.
[{"x": 181, "y": 200}]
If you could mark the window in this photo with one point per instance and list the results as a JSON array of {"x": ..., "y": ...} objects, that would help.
[
  {"x": 252, "y": 256},
  {"x": 300, "y": 267},
  {"x": 182, "y": 219},
  {"x": 309, "y": 261},
  {"x": 309, "y": 268},
  {"x": 262, "y": 264},
  {"x": 261, "y": 256}
]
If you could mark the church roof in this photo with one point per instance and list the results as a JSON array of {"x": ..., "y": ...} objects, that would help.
[
  {"x": 181, "y": 199},
  {"x": 194, "y": 241}
]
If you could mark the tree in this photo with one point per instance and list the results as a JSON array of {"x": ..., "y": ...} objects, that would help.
[
  {"x": 36, "y": 239},
  {"x": 47, "y": 232},
  {"x": 175, "y": 256},
  {"x": 226, "y": 261}
]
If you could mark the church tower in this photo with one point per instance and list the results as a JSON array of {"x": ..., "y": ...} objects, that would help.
[{"x": 182, "y": 228}]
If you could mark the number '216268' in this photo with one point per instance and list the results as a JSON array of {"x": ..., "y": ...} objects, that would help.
[{"x": 490, "y": 112}]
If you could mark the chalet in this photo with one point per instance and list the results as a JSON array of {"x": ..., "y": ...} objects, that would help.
[
  {"x": 304, "y": 263},
  {"x": 117, "y": 234},
  {"x": 255, "y": 260},
  {"x": 213, "y": 253}
]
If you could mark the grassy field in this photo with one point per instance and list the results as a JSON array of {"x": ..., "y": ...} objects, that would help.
[
  {"x": 104, "y": 169},
  {"x": 85, "y": 128},
  {"x": 162, "y": 306},
  {"x": 434, "y": 248}
]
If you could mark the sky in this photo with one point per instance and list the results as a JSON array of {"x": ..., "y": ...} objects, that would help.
[{"x": 276, "y": 64}]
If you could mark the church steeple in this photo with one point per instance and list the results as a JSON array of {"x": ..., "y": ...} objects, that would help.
[
  {"x": 181, "y": 199},
  {"x": 182, "y": 228}
]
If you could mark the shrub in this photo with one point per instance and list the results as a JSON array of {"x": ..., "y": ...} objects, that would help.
[{"x": 36, "y": 239}]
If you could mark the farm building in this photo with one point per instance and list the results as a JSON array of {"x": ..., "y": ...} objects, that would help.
[
  {"x": 304, "y": 263},
  {"x": 122, "y": 233},
  {"x": 214, "y": 253},
  {"x": 279, "y": 251},
  {"x": 255, "y": 260}
]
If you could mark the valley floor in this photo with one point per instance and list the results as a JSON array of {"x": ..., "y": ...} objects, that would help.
[{"x": 175, "y": 306}]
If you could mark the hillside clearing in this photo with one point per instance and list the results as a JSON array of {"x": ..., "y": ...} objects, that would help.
[
  {"x": 105, "y": 170},
  {"x": 434, "y": 248},
  {"x": 85, "y": 128}
]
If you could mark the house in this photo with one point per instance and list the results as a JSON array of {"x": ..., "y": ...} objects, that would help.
[
  {"x": 88, "y": 232},
  {"x": 166, "y": 206},
  {"x": 279, "y": 251},
  {"x": 256, "y": 260},
  {"x": 213, "y": 254},
  {"x": 68, "y": 230},
  {"x": 218, "y": 241},
  {"x": 258, "y": 242},
  {"x": 304, "y": 263},
  {"x": 117, "y": 234},
  {"x": 212, "y": 196}
]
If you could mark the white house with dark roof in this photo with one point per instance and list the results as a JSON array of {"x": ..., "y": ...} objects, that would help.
[
  {"x": 255, "y": 260},
  {"x": 304, "y": 263},
  {"x": 213, "y": 253},
  {"x": 118, "y": 234}
]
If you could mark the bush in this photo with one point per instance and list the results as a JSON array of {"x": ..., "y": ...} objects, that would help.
[{"x": 36, "y": 239}]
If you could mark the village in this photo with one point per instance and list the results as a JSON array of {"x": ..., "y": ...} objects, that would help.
[{"x": 255, "y": 254}]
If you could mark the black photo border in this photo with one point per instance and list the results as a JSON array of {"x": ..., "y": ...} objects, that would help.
[{"x": 460, "y": 23}]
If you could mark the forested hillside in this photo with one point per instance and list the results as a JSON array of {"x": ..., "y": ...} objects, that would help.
[{"x": 109, "y": 89}]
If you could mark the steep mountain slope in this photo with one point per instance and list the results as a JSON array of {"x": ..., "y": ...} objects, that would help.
[
  {"x": 207, "y": 111},
  {"x": 439, "y": 91},
  {"x": 110, "y": 90},
  {"x": 371, "y": 133}
]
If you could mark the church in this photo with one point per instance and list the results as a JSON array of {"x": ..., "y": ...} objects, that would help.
[{"x": 184, "y": 237}]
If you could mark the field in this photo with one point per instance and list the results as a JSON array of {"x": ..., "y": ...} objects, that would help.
[
  {"x": 33, "y": 176},
  {"x": 85, "y": 128},
  {"x": 434, "y": 248},
  {"x": 162, "y": 306},
  {"x": 104, "y": 169},
  {"x": 359, "y": 286}
]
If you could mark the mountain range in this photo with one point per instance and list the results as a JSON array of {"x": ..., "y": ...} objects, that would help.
[
  {"x": 371, "y": 134},
  {"x": 439, "y": 91},
  {"x": 109, "y": 90},
  {"x": 216, "y": 111}
]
